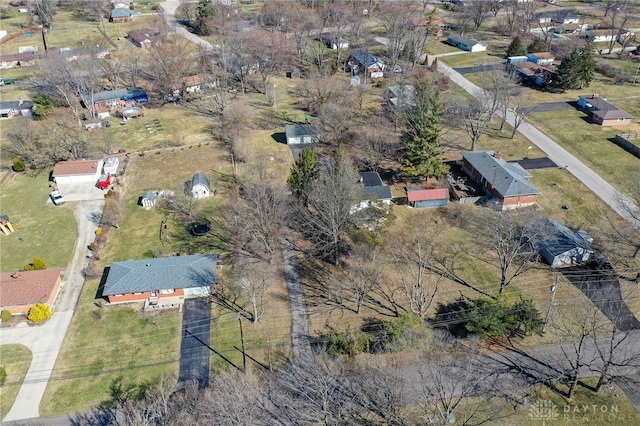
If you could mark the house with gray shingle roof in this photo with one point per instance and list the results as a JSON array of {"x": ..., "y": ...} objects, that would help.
[
  {"x": 374, "y": 191},
  {"x": 560, "y": 246},
  {"x": 506, "y": 182},
  {"x": 161, "y": 282}
]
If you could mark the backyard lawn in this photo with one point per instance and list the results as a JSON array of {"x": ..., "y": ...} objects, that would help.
[
  {"x": 16, "y": 359},
  {"x": 107, "y": 344},
  {"x": 41, "y": 229}
]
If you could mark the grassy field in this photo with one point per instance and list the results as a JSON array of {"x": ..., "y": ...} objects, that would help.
[
  {"x": 16, "y": 359},
  {"x": 42, "y": 229},
  {"x": 590, "y": 143},
  {"x": 104, "y": 344},
  {"x": 471, "y": 59}
]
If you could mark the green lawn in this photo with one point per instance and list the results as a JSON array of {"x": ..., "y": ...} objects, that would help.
[
  {"x": 104, "y": 344},
  {"x": 16, "y": 359},
  {"x": 471, "y": 59},
  {"x": 589, "y": 142},
  {"x": 47, "y": 231}
]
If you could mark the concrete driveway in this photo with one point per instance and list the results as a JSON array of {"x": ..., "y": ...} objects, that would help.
[
  {"x": 83, "y": 191},
  {"x": 45, "y": 340},
  {"x": 480, "y": 68}
]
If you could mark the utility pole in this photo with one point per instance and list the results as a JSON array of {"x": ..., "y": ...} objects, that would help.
[
  {"x": 269, "y": 355},
  {"x": 244, "y": 356},
  {"x": 553, "y": 296}
]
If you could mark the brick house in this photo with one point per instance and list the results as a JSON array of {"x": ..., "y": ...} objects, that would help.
[
  {"x": 603, "y": 112},
  {"x": 19, "y": 291},
  {"x": 505, "y": 182},
  {"x": 161, "y": 282}
]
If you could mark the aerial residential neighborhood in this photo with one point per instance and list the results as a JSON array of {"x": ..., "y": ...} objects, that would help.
[{"x": 294, "y": 212}]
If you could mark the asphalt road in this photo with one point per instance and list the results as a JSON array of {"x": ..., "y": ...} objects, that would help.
[
  {"x": 612, "y": 197},
  {"x": 553, "y": 106},
  {"x": 195, "y": 354},
  {"x": 169, "y": 7},
  {"x": 45, "y": 340}
]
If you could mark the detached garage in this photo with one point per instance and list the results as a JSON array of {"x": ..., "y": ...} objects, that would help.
[
  {"x": 74, "y": 171},
  {"x": 300, "y": 134}
]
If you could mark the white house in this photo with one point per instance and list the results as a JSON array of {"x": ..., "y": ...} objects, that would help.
[
  {"x": 333, "y": 42},
  {"x": 200, "y": 187},
  {"x": 467, "y": 44},
  {"x": 74, "y": 171},
  {"x": 569, "y": 18}
]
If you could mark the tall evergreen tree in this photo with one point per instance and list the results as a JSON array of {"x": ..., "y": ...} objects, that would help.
[
  {"x": 303, "y": 172},
  {"x": 568, "y": 74},
  {"x": 422, "y": 139},
  {"x": 516, "y": 48},
  {"x": 587, "y": 64}
]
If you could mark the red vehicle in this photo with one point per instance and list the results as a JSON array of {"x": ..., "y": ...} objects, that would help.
[{"x": 104, "y": 182}]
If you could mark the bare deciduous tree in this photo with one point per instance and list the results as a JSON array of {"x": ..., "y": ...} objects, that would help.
[
  {"x": 476, "y": 118},
  {"x": 375, "y": 144},
  {"x": 257, "y": 218},
  {"x": 397, "y": 20}
]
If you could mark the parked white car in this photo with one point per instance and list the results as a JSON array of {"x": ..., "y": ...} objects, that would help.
[{"x": 57, "y": 198}]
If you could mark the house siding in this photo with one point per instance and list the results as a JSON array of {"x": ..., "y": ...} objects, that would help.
[
  {"x": 612, "y": 122},
  {"x": 146, "y": 295}
]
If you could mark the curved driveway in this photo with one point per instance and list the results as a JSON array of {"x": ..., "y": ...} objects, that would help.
[
  {"x": 169, "y": 7},
  {"x": 616, "y": 200},
  {"x": 45, "y": 341}
]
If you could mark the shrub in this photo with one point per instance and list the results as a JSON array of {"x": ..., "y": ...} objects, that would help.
[
  {"x": 406, "y": 332},
  {"x": 99, "y": 231},
  {"x": 347, "y": 343},
  {"x": 38, "y": 264},
  {"x": 3, "y": 375},
  {"x": 39, "y": 312},
  {"x": 110, "y": 194},
  {"x": 93, "y": 246},
  {"x": 18, "y": 165},
  {"x": 5, "y": 316}
]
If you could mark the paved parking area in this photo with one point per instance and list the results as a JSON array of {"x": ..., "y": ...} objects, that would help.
[
  {"x": 195, "y": 351},
  {"x": 554, "y": 106},
  {"x": 83, "y": 191},
  {"x": 480, "y": 68}
]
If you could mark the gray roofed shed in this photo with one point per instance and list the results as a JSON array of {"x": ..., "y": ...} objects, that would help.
[
  {"x": 300, "y": 134},
  {"x": 158, "y": 274},
  {"x": 560, "y": 246},
  {"x": 373, "y": 187},
  {"x": 201, "y": 179}
]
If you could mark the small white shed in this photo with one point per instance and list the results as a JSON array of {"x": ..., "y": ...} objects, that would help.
[
  {"x": 300, "y": 134},
  {"x": 111, "y": 166}
]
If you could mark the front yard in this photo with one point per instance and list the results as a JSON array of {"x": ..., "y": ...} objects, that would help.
[
  {"x": 15, "y": 359},
  {"x": 41, "y": 229}
]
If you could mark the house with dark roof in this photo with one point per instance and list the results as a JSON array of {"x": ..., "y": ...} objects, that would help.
[
  {"x": 419, "y": 197},
  {"x": 199, "y": 186},
  {"x": 27, "y": 59},
  {"x": 560, "y": 246},
  {"x": 374, "y": 191},
  {"x": 20, "y": 291},
  {"x": 603, "y": 112},
  {"x": 467, "y": 44},
  {"x": 533, "y": 73},
  {"x": 22, "y": 108},
  {"x": 364, "y": 62},
  {"x": 73, "y": 171},
  {"x": 507, "y": 183},
  {"x": 161, "y": 282},
  {"x": 297, "y": 134},
  {"x": 121, "y": 15},
  {"x": 143, "y": 37}
]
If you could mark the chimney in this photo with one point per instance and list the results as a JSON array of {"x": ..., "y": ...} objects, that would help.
[
  {"x": 595, "y": 96},
  {"x": 15, "y": 275},
  {"x": 497, "y": 155},
  {"x": 19, "y": 101}
]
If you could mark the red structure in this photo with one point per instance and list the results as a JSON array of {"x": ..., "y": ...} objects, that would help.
[{"x": 104, "y": 182}]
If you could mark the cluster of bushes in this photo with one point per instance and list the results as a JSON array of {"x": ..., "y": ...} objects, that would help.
[
  {"x": 39, "y": 312},
  {"x": 486, "y": 317},
  {"x": 19, "y": 165},
  {"x": 37, "y": 265},
  {"x": 405, "y": 332}
]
